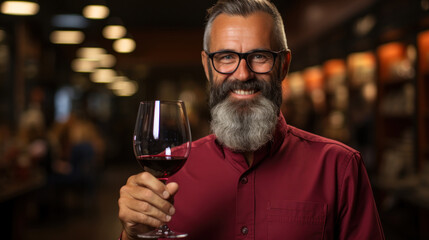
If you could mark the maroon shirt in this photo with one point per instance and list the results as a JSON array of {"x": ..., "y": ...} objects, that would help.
[{"x": 300, "y": 186}]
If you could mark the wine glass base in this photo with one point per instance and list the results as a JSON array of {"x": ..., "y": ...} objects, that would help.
[{"x": 162, "y": 232}]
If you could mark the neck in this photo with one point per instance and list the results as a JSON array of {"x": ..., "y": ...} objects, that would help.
[{"x": 249, "y": 158}]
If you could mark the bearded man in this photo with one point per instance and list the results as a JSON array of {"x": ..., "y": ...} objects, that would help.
[{"x": 255, "y": 177}]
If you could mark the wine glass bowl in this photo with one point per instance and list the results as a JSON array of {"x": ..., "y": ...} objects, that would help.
[{"x": 162, "y": 143}]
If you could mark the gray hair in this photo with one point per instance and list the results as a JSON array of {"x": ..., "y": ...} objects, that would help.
[
  {"x": 245, "y": 8},
  {"x": 244, "y": 126}
]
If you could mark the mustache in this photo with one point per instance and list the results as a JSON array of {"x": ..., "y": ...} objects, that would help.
[{"x": 220, "y": 92}]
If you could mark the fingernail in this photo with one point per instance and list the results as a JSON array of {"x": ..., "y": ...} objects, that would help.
[
  {"x": 165, "y": 194},
  {"x": 167, "y": 218},
  {"x": 172, "y": 211}
]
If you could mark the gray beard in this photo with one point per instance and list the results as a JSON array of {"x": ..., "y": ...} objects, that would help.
[{"x": 244, "y": 125}]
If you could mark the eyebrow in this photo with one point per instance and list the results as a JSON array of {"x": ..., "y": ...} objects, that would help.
[{"x": 252, "y": 50}]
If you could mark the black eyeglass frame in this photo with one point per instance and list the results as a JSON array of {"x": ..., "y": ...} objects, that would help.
[{"x": 244, "y": 56}]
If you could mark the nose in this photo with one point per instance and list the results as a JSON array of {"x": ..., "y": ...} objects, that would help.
[{"x": 243, "y": 72}]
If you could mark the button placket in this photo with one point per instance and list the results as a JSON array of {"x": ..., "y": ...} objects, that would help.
[{"x": 245, "y": 206}]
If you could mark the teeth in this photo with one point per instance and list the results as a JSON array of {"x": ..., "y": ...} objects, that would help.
[{"x": 244, "y": 92}]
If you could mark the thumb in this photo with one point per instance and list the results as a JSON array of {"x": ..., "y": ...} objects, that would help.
[{"x": 172, "y": 188}]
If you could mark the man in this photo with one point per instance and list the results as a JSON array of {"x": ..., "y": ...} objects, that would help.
[{"x": 255, "y": 177}]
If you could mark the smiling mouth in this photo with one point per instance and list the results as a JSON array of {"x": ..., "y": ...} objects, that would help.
[{"x": 244, "y": 92}]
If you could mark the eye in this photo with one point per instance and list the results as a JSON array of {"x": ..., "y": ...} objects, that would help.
[
  {"x": 260, "y": 57},
  {"x": 225, "y": 58}
]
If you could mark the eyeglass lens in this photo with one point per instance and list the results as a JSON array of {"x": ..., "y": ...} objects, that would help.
[{"x": 259, "y": 62}]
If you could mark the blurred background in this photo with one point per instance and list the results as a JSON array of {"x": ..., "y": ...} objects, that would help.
[{"x": 72, "y": 73}]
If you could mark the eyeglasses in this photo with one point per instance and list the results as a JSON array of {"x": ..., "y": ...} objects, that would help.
[{"x": 258, "y": 61}]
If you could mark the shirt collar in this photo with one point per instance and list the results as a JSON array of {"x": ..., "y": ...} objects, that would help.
[{"x": 270, "y": 148}]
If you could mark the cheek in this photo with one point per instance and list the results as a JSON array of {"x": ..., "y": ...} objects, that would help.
[
  {"x": 214, "y": 77},
  {"x": 268, "y": 78},
  {"x": 275, "y": 75},
  {"x": 218, "y": 79}
]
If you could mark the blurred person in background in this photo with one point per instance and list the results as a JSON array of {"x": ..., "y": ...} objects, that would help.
[
  {"x": 77, "y": 133},
  {"x": 255, "y": 177},
  {"x": 78, "y": 153}
]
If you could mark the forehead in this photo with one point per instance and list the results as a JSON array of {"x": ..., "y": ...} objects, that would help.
[{"x": 242, "y": 33}]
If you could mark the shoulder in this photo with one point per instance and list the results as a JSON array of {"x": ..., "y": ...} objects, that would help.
[
  {"x": 311, "y": 138},
  {"x": 336, "y": 159},
  {"x": 325, "y": 148},
  {"x": 207, "y": 146},
  {"x": 204, "y": 141}
]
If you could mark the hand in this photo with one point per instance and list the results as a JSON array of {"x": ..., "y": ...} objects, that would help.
[{"x": 143, "y": 204}]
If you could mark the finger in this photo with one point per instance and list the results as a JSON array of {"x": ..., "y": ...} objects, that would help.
[
  {"x": 132, "y": 219},
  {"x": 148, "y": 209},
  {"x": 146, "y": 195},
  {"x": 148, "y": 180},
  {"x": 141, "y": 212},
  {"x": 172, "y": 188}
]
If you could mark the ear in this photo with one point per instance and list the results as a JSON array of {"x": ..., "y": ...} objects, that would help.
[
  {"x": 286, "y": 64},
  {"x": 204, "y": 61}
]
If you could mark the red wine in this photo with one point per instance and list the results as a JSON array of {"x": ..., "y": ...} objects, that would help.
[{"x": 161, "y": 166}]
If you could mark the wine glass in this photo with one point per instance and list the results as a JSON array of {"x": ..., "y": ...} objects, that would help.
[{"x": 162, "y": 143}]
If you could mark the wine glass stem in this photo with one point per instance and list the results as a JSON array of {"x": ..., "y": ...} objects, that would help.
[{"x": 164, "y": 229}]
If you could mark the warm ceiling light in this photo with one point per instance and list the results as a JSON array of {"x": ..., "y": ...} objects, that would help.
[
  {"x": 114, "y": 31},
  {"x": 107, "y": 61},
  {"x": 96, "y": 11},
  {"x": 124, "y": 87},
  {"x": 20, "y": 7},
  {"x": 84, "y": 65},
  {"x": 116, "y": 82},
  {"x": 124, "y": 45},
  {"x": 67, "y": 37},
  {"x": 103, "y": 75},
  {"x": 94, "y": 53}
]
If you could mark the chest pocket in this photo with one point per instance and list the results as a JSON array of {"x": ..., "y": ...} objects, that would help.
[{"x": 295, "y": 220}]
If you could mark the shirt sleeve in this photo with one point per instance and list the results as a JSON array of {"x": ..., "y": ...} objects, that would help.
[{"x": 358, "y": 215}]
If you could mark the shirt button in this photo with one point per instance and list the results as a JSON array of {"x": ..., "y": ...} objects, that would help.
[
  {"x": 243, "y": 180},
  {"x": 244, "y": 230}
]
